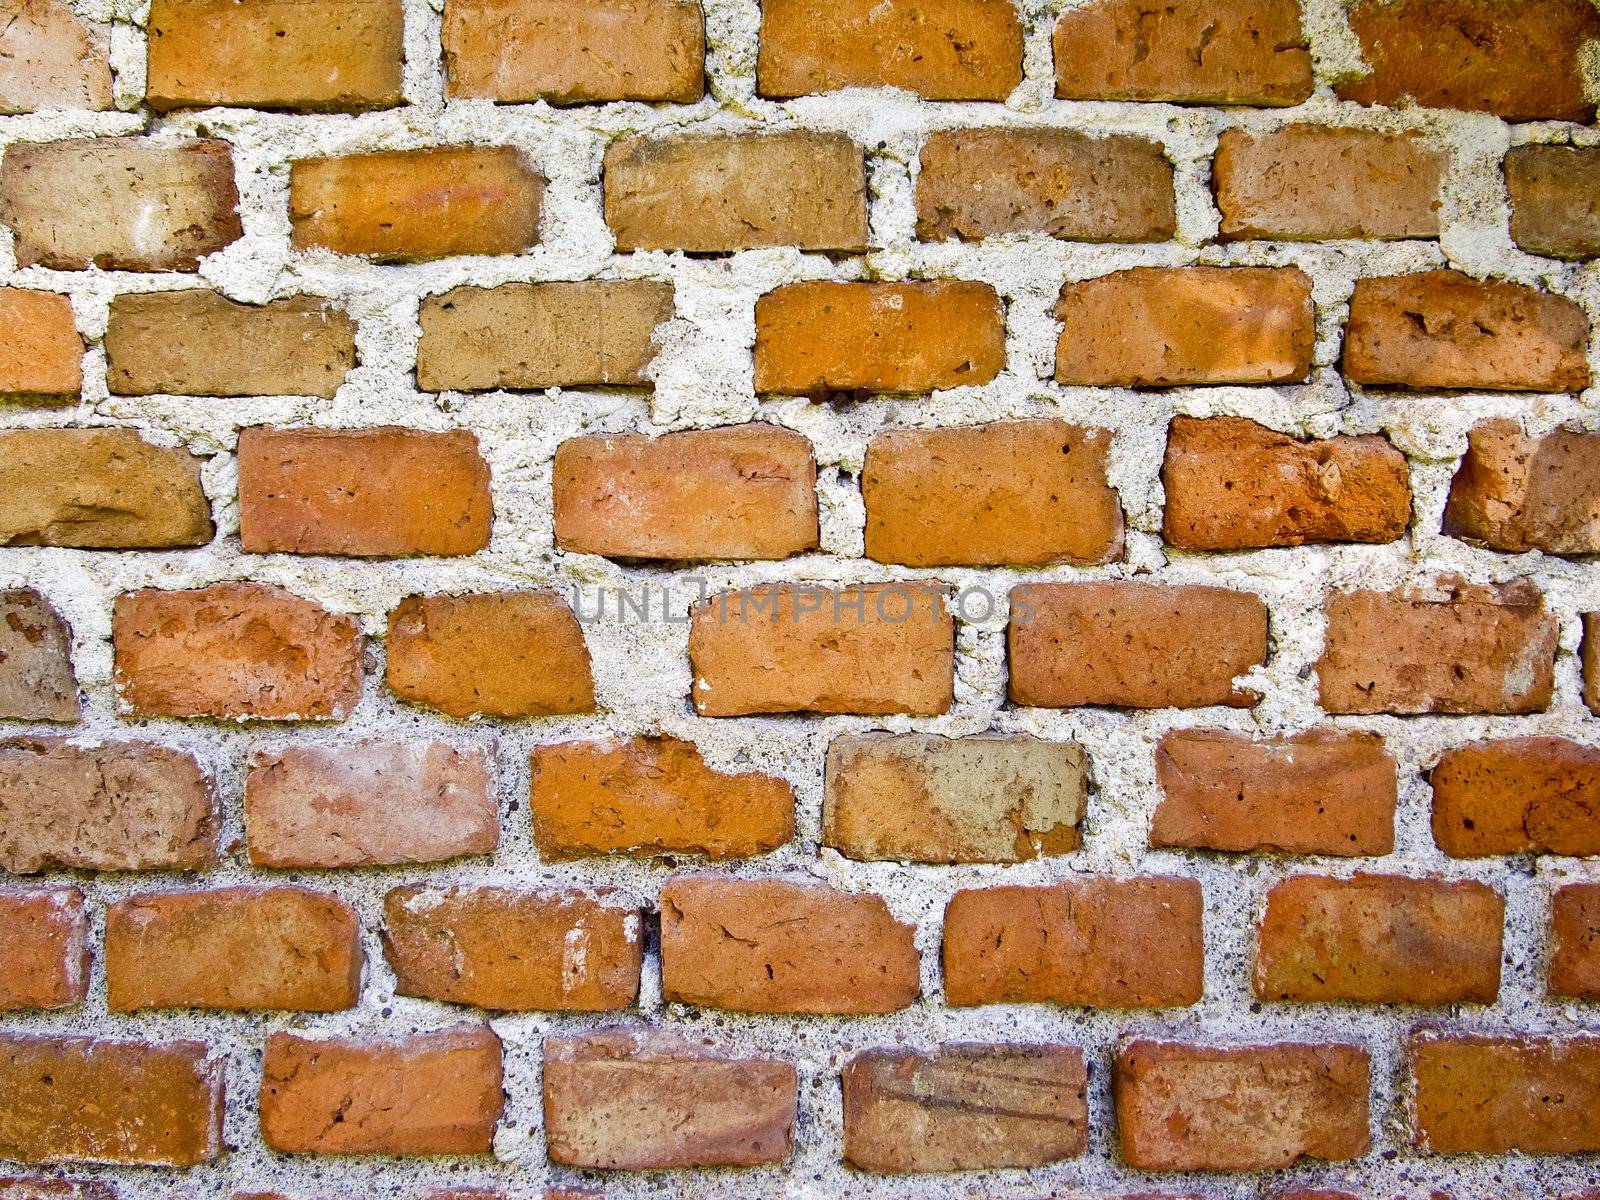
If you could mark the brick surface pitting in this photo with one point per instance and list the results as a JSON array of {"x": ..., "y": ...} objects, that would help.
[
  {"x": 45, "y": 963},
  {"x": 37, "y": 680},
  {"x": 1513, "y": 492},
  {"x": 1536, "y": 795}
]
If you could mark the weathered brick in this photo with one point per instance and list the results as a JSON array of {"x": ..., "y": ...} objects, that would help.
[
  {"x": 1325, "y": 791},
  {"x": 432, "y": 1093},
  {"x": 1513, "y": 492},
  {"x": 37, "y": 682},
  {"x": 86, "y": 1100},
  {"x": 1104, "y": 943},
  {"x": 1533, "y": 795},
  {"x": 243, "y": 947},
  {"x": 120, "y": 204},
  {"x": 1239, "y": 1108},
  {"x": 522, "y": 50},
  {"x": 402, "y": 205},
  {"x": 57, "y": 1189},
  {"x": 1515, "y": 58},
  {"x": 46, "y": 954},
  {"x": 1555, "y": 199},
  {"x": 368, "y": 802},
  {"x": 1575, "y": 941},
  {"x": 520, "y": 951},
  {"x": 980, "y": 183},
  {"x": 732, "y": 192},
  {"x": 742, "y": 492},
  {"x": 236, "y": 651},
  {"x": 316, "y": 55},
  {"x": 1448, "y": 647},
  {"x": 1495, "y": 1095},
  {"x": 637, "y": 1100},
  {"x": 651, "y": 796},
  {"x": 110, "y": 806},
  {"x": 922, "y": 797},
  {"x": 878, "y": 337},
  {"x": 1589, "y": 652},
  {"x": 783, "y": 946},
  {"x": 1443, "y": 329},
  {"x": 595, "y": 332},
  {"x": 200, "y": 343},
  {"x": 940, "y": 49},
  {"x": 50, "y": 58},
  {"x": 375, "y": 493},
  {"x": 499, "y": 654},
  {"x": 42, "y": 356},
  {"x": 100, "y": 489},
  {"x": 1133, "y": 645},
  {"x": 1188, "y": 52},
  {"x": 1179, "y": 326},
  {"x": 1314, "y": 183},
  {"x": 1232, "y": 484},
  {"x": 780, "y": 648},
  {"x": 1012, "y": 492}
]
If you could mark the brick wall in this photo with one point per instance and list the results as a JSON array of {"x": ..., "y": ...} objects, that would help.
[{"x": 590, "y": 595}]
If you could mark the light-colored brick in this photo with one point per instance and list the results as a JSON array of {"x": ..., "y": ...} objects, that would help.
[
  {"x": 51, "y": 58},
  {"x": 37, "y": 682},
  {"x": 42, "y": 356}
]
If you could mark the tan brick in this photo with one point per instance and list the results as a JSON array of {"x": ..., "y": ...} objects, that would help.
[
  {"x": 42, "y": 356},
  {"x": 519, "y": 951},
  {"x": 1325, "y": 791},
  {"x": 1133, "y": 645},
  {"x": 1448, "y": 647},
  {"x": 1443, "y": 329},
  {"x": 1098, "y": 942},
  {"x": 1514, "y": 492},
  {"x": 120, "y": 204},
  {"x": 523, "y": 50},
  {"x": 1532, "y": 795},
  {"x": 368, "y": 802},
  {"x": 596, "y": 332},
  {"x": 1030, "y": 492},
  {"x": 37, "y": 682},
  {"x": 878, "y": 337},
  {"x": 1496, "y": 1095},
  {"x": 45, "y": 960},
  {"x": 1590, "y": 656},
  {"x": 375, "y": 493},
  {"x": 781, "y": 648},
  {"x": 940, "y": 49},
  {"x": 1232, "y": 484},
  {"x": 737, "y": 192},
  {"x": 235, "y": 651},
  {"x": 1515, "y": 58},
  {"x": 315, "y": 55},
  {"x": 87, "y": 1100},
  {"x": 1188, "y": 52},
  {"x": 964, "y": 1107},
  {"x": 651, "y": 796},
  {"x": 499, "y": 654},
  {"x": 1239, "y": 1108},
  {"x": 111, "y": 806},
  {"x": 431, "y": 1093},
  {"x": 1555, "y": 199},
  {"x": 922, "y": 797},
  {"x": 243, "y": 947},
  {"x": 50, "y": 58},
  {"x": 1575, "y": 941},
  {"x": 741, "y": 492},
  {"x": 637, "y": 1100},
  {"x": 402, "y": 205},
  {"x": 199, "y": 343},
  {"x": 783, "y": 946}
]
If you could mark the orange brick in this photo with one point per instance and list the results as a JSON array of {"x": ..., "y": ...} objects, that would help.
[
  {"x": 1534, "y": 795},
  {"x": 42, "y": 355},
  {"x": 1497, "y": 1095},
  {"x": 46, "y": 955},
  {"x": 1555, "y": 199},
  {"x": 1589, "y": 653},
  {"x": 1513, "y": 492},
  {"x": 1575, "y": 941},
  {"x": 50, "y": 58},
  {"x": 37, "y": 682}
]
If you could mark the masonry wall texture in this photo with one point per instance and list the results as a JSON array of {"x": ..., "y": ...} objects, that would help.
[{"x": 799, "y": 599}]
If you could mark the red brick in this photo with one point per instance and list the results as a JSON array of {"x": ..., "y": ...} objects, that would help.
[
  {"x": 1095, "y": 942},
  {"x": 369, "y": 802},
  {"x": 1575, "y": 941},
  {"x": 374, "y": 493},
  {"x": 1589, "y": 653},
  {"x": 1497, "y": 1095},
  {"x": 1239, "y": 1108},
  {"x": 42, "y": 356},
  {"x": 1555, "y": 199},
  {"x": 742, "y": 492},
  {"x": 651, "y": 796},
  {"x": 244, "y": 947},
  {"x": 236, "y": 651},
  {"x": 50, "y": 58},
  {"x": 1180, "y": 326},
  {"x": 1325, "y": 791},
  {"x": 1533, "y": 795},
  {"x": 37, "y": 682},
  {"x": 431, "y": 1093},
  {"x": 1133, "y": 645},
  {"x": 1029, "y": 492},
  {"x": 46, "y": 953},
  {"x": 518, "y": 951},
  {"x": 651, "y": 1099},
  {"x": 1513, "y": 492},
  {"x": 783, "y": 946},
  {"x": 86, "y": 1100}
]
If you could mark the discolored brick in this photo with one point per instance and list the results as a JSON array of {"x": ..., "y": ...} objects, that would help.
[
  {"x": 45, "y": 961},
  {"x": 1513, "y": 492},
  {"x": 50, "y": 58},
  {"x": 37, "y": 682},
  {"x": 1531, "y": 795},
  {"x": 1555, "y": 199},
  {"x": 1476, "y": 1094},
  {"x": 1589, "y": 653},
  {"x": 42, "y": 356},
  {"x": 1575, "y": 941}
]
